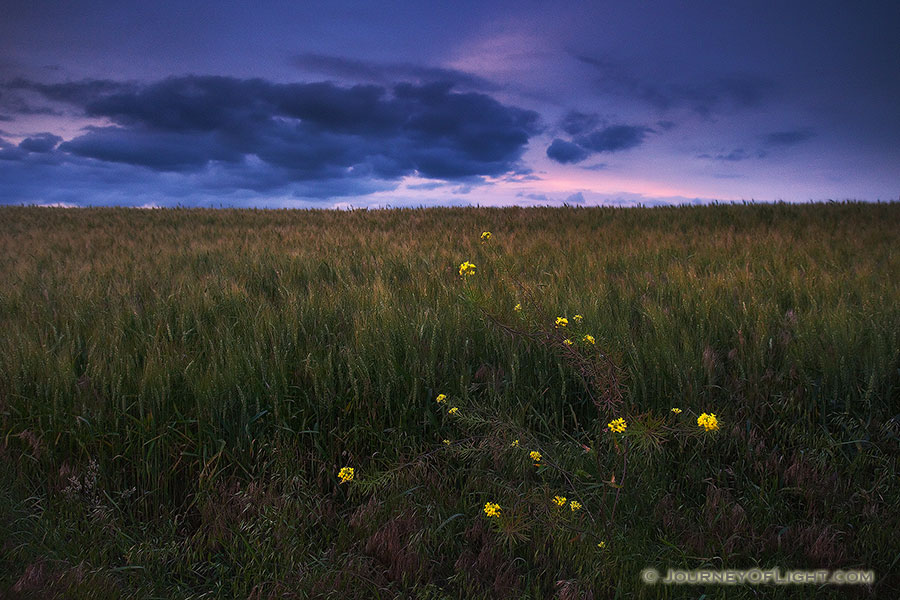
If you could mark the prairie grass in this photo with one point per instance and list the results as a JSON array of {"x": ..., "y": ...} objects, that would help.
[{"x": 179, "y": 389}]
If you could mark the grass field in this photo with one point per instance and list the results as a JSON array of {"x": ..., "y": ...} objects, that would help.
[{"x": 180, "y": 388}]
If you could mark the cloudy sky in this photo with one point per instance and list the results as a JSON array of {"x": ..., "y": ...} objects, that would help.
[{"x": 335, "y": 104}]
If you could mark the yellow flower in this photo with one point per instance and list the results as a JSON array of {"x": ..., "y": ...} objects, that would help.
[
  {"x": 346, "y": 474},
  {"x": 446, "y": 442},
  {"x": 561, "y": 321},
  {"x": 578, "y": 318},
  {"x": 617, "y": 425},
  {"x": 492, "y": 509},
  {"x": 467, "y": 268},
  {"x": 453, "y": 411},
  {"x": 567, "y": 342},
  {"x": 676, "y": 410},
  {"x": 708, "y": 421},
  {"x": 559, "y": 500},
  {"x": 535, "y": 456},
  {"x": 575, "y": 505},
  {"x": 485, "y": 236},
  {"x": 601, "y": 545},
  {"x": 441, "y": 398},
  {"x": 518, "y": 307},
  {"x": 589, "y": 339},
  {"x": 515, "y": 444}
]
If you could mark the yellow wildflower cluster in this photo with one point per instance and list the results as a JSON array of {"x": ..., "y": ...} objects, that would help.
[
  {"x": 567, "y": 342},
  {"x": 485, "y": 236},
  {"x": 467, "y": 268},
  {"x": 589, "y": 339},
  {"x": 708, "y": 421},
  {"x": 562, "y": 322},
  {"x": 441, "y": 398},
  {"x": 515, "y": 444},
  {"x": 617, "y": 425},
  {"x": 578, "y": 318},
  {"x": 346, "y": 474},
  {"x": 453, "y": 411},
  {"x": 446, "y": 442},
  {"x": 575, "y": 505},
  {"x": 676, "y": 411},
  {"x": 492, "y": 509},
  {"x": 559, "y": 500},
  {"x": 535, "y": 456},
  {"x": 518, "y": 307},
  {"x": 601, "y": 545}
]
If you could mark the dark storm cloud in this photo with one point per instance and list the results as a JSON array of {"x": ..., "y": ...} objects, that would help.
[
  {"x": 385, "y": 73},
  {"x": 162, "y": 151},
  {"x": 59, "y": 177},
  {"x": 263, "y": 135},
  {"x": 614, "y": 138},
  {"x": 566, "y": 152},
  {"x": 186, "y": 104},
  {"x": 42, "y": 142},
  {"x": 788, "y": 138},
  {"x": 735, "y": 91}
]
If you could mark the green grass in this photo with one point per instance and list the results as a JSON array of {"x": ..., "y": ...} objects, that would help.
[{"x": 179, "y": 388}]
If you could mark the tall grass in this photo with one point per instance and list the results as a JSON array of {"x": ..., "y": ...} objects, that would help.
[{"x": 219, "y": 366}]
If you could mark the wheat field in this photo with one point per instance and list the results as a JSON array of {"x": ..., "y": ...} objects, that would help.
[{"x": 180, "y": 388}]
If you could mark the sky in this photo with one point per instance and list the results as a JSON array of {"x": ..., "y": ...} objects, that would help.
[{"x": 286, "y": 104}]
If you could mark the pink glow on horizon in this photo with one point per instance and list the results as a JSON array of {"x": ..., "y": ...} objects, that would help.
[
  {"x": 594, "y": 190},
  {"x": 566, "y": 184}
]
